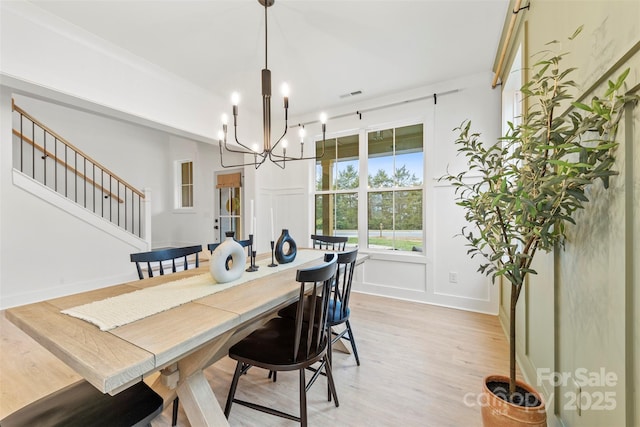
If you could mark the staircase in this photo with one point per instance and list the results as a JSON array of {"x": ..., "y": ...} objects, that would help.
[{"x": 44, "y": 156}]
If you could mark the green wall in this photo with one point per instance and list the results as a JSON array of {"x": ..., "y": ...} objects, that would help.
[{"x": 579, "y": 316}]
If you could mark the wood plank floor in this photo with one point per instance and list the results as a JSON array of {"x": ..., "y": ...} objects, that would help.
[{"x": 418, "y": 362}]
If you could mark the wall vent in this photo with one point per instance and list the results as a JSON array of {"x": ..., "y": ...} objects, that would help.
[{"x": 347, "y": 95}]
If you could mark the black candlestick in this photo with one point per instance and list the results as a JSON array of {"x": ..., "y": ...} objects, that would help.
[
  {"x": 252, "y": 256},
  {"x": 253, "y": 266},
  {"x": 273, "y": 264}
]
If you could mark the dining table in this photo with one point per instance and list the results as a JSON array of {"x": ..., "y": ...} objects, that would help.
[{"x": 179, "y": 342}]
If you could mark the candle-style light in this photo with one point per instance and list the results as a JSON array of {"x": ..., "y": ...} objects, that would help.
[{"x": 268, "y": 149}]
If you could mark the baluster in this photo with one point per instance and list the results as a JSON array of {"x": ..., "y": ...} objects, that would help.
[
  {"x": 75, "y": 176},
  {"x": 102, "y": 193},
  {"x": 93, "y": 192},
  {"x": 44, "y": 154},
  {"x": 21, "y": 146},
  {"x": 66, "y": 171},
  {"x": 110, "y": 200},
  {"x": 33, "y": 151},
  {"x": 55, "y": 163}
]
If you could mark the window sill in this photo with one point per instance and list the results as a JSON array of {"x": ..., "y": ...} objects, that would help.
[{"x": 388, "y": 255}]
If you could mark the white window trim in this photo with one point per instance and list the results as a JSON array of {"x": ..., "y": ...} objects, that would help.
[
  {"x": 362, "y": 191},
  {"x": 177, "y": 180}
]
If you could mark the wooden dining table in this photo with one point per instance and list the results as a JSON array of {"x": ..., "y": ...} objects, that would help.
[{"x": 180, "y": 342}]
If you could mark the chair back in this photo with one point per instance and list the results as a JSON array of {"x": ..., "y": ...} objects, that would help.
[
  {"x": 212, "y": 246},
  {"x": 310, "y": 327},
  {"x": 244, "y": 243},
  {"x": 339, "y": 305},
  {"x": 333, "y": 243},
  {"x": 161, "y": 255}
]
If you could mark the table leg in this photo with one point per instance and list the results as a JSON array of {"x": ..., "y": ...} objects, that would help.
[
  {"x": 341, "y": 347},
  {"x": 196, "y": 397},
  {"x": 194, "y": 391}
]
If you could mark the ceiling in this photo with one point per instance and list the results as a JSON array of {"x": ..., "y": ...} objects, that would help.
[{"x": 324, "y": 49}]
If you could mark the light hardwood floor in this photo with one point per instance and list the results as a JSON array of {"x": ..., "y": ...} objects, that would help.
[{"x": 418, "y": 362}]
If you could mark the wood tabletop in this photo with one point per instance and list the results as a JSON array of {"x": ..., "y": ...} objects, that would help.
[
  {"x": 115, "y": 359},
  {"x": 180, "y": 342}
]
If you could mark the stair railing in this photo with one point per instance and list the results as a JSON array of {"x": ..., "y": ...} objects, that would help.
[{"x": 53, "y": 161}]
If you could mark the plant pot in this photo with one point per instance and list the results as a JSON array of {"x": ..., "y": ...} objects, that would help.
[{"x": 497, "y": 412}]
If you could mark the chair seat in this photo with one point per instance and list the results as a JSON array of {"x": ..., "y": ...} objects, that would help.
[
  {"x": 335, "y": 313},
  {"x": 270, "y": 347},
  {"x": 82, "y": 405}
]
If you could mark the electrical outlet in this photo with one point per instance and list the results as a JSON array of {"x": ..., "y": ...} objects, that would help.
[{"x": 453, "y": 277}]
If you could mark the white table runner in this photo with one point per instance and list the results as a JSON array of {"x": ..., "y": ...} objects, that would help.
[{"x": 116, "y": 311}]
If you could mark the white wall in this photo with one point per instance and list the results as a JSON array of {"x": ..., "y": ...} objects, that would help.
[
  {"x": 405, "y": 275},
  {"x": 75, "y": 253},
  {"x": 86, "y": 73},
  {"x": 53, "y": 56},
  {"x": 130, "y": 115}
]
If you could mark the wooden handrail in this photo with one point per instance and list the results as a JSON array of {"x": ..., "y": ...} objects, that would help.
[
  {"x": 69, "y": 167},
  {"x": 73, "y": 147}
]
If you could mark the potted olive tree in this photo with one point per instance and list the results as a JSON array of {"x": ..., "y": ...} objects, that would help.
[{"x": 518, "y": 194}]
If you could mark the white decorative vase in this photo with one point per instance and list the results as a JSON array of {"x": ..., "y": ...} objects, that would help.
[{"x": 227, "y": 261}]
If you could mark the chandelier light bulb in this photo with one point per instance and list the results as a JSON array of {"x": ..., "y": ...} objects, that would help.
[
  {"x": 235, "y": 98},
  {"x": 323, "y": 118},
  {"x": 284, "y": 143},
  {"x": 284, "y": 89},
  {"x": 255, "y": 147},
  {"x": 302, "y": 133},
  {"x": 225, "y": 119},
  {"x": 220, "y": 135}
]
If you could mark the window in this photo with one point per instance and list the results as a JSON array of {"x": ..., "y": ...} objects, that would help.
[
  {"x": 391, "y": 190},
  {"x": 337, "y": 182},
  {"x": 394, "y": 196},
  {"x": 185, "y": 185}
]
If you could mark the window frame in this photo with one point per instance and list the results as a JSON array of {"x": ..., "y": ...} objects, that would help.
[
  {"x": 364, "y": 190},
  {"x": 334, "y": 192},
  {"x": 364, "y": 157},
  {"x": 179, "y": 186}
]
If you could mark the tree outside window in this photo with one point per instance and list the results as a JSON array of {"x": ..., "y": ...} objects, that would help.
[
  {"x": 393, "y": 188},
  {"x": 337, "y": 182},
  {"x": 395, "y": 191}
]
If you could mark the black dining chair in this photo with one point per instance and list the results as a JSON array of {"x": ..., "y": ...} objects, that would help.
[
  {"x": 332, "y": 243},
  {"x": 81, "y": 405},
  {"x": 290, "y": 344},
  {"x": 160, "y": 256},
  {"x": 339, "y": 310}
]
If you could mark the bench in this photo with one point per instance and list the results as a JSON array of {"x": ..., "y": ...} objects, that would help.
[{"x": 81, "y": 404}]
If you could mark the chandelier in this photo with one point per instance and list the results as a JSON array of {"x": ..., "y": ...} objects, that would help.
[{"x": 268, "y": 149}]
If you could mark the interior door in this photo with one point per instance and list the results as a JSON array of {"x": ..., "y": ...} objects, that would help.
[{"x": 229, "y": 188}]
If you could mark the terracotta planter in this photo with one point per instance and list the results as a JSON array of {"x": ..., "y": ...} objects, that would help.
[{"x": 497, "y": 412}]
